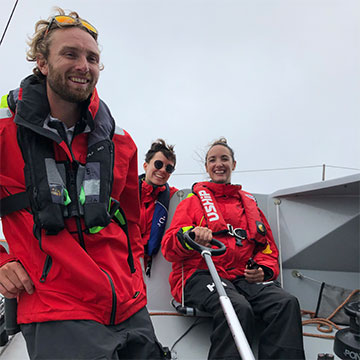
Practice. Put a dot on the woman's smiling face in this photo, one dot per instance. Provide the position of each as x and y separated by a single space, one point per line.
154 176
220 164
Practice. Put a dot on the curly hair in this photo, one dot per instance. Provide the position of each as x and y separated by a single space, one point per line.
40 42
160 145
223 142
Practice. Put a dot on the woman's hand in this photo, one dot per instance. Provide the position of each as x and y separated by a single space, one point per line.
254 275
203 236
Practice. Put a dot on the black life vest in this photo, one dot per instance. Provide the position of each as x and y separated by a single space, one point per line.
58 190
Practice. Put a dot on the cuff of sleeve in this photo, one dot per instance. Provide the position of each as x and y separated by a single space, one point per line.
268 273
6 259
180 236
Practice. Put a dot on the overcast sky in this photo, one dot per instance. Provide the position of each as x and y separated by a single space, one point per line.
280 79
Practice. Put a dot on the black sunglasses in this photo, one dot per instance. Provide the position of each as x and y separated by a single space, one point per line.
159 164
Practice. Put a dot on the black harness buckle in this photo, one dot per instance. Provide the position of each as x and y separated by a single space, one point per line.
238 233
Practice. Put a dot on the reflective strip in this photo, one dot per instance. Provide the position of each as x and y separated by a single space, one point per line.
188 246
3 102
5 113
91 182
92 187
184 230
119 130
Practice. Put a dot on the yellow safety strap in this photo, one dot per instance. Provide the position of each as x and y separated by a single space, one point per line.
3 102
4 108
184 230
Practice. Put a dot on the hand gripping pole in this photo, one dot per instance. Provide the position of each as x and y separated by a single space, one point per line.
230 314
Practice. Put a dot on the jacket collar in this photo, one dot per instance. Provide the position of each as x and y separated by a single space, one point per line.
230 190
150 190
33 107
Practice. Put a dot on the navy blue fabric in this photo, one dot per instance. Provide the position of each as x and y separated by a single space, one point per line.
159 219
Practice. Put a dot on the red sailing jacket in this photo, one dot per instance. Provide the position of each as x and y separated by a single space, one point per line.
229 201
93 282
149 194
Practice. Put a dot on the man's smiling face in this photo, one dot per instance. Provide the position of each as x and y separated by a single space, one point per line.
72 68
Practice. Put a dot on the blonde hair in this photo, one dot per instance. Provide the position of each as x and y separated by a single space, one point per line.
40 44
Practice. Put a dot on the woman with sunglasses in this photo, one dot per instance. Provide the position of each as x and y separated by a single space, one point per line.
155 194
248 268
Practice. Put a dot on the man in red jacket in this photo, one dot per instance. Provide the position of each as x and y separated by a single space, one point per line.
70 207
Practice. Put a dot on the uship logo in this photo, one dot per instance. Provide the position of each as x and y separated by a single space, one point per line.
161 221
351 354
208 205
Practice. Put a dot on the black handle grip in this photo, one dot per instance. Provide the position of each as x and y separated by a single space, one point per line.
221 248
251 264
11 325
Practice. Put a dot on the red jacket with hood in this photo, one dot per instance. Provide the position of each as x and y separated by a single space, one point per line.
229 201
89 276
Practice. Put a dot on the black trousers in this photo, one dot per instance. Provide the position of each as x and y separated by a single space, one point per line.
85 339
281 335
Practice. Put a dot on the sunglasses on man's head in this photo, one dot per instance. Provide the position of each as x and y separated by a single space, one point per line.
66 19
159 164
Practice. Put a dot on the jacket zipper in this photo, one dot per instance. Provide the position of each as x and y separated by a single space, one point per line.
113 307
82 244
80 233
112 164
46 268
48 260
114 298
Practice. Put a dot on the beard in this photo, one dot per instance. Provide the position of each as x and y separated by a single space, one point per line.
57 83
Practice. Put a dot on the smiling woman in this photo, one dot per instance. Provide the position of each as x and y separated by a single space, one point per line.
220 162
155 194
248 268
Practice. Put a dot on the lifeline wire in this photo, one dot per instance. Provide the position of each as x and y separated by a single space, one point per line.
298 274
276 169
8 23
195 323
